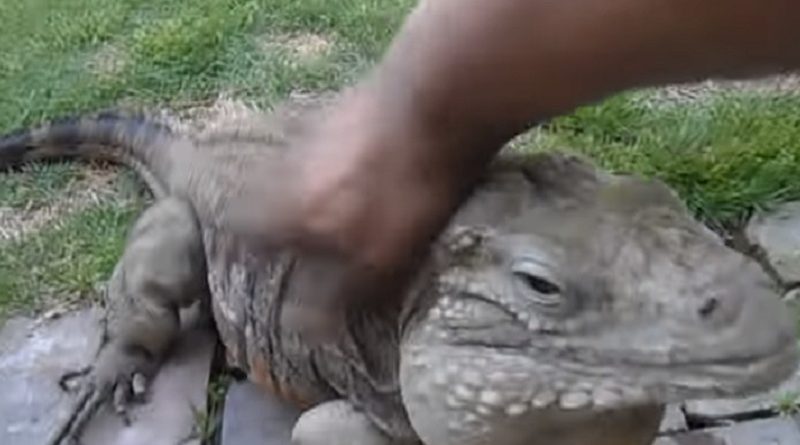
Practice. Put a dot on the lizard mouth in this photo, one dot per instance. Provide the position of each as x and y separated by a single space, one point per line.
727 376
785 354
777 364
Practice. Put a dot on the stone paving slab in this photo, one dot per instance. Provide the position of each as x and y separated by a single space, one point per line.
778 233
255 417
772 431
33 355
167 417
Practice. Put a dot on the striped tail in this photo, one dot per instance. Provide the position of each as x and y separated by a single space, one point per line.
131 140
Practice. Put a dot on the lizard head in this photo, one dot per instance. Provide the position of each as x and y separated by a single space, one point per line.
559 287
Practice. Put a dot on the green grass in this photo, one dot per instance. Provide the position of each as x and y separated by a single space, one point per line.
65 260
72 56
788 403
726 158
173 51
36 184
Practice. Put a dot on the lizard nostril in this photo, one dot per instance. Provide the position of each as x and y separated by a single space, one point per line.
708 307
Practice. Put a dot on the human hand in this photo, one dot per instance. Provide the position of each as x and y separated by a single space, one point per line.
359 201
364 194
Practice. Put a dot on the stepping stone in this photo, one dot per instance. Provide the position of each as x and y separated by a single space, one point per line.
255 417
773 431
33 355
778 233
673 420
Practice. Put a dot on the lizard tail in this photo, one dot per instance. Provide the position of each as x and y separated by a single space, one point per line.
131 140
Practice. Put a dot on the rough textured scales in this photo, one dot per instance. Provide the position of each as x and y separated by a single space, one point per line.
562 305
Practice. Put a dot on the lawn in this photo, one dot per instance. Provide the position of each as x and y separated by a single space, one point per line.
726 156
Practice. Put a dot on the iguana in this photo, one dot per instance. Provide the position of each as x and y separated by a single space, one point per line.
562 305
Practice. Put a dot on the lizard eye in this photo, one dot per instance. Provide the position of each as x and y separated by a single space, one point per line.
536 281
539 284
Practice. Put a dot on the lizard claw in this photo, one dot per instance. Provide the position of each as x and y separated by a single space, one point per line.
132 390
139 385
66 380
119 388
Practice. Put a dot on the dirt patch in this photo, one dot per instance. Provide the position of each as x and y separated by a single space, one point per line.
308 45
700 92
304 47
95 187
198 118
108 62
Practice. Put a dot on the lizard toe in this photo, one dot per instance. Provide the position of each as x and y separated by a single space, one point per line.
119 389
68 382
139 385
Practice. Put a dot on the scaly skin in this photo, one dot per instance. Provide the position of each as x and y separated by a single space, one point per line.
160 272
562 305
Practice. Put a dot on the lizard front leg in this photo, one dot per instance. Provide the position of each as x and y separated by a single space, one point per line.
161 270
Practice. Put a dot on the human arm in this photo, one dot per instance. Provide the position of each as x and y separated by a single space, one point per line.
382 176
